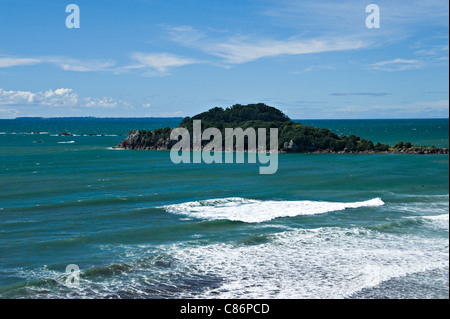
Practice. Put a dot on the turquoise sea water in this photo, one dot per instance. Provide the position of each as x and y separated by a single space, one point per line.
139 226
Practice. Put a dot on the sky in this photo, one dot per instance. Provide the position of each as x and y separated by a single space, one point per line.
313 59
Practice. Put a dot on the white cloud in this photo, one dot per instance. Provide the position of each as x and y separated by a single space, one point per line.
59 97
242 51
70 64
160 62
433 55
6 62
316 67
424 56
185 34
105 102
64 63
437 50
15 97
62 97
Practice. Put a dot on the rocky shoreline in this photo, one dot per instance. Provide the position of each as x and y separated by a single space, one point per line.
291 147
138 140
416 150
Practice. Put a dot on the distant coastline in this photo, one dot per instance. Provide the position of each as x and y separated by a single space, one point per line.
181 118
94 118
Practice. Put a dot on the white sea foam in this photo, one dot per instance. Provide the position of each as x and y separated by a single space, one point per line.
327 262
437 221
423 208
68 142
443 218
256 211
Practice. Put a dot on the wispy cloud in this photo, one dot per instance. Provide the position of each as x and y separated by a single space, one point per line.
316 67
349 16
423 56
243 50
77 65
240 49
436 50
158 63
372 94
185 34
6 62
150 63
64 63
433 55
397 65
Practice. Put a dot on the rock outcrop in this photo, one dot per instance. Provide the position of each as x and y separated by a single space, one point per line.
147 140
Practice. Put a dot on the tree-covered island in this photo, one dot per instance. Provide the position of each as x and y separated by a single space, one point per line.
292 137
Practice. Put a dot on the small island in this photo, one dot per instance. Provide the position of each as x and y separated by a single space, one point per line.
292 137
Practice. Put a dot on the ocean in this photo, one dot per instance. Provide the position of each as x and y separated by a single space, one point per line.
325 226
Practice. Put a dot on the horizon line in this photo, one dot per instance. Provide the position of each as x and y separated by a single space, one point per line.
181 117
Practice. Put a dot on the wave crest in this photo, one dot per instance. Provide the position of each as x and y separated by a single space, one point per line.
257 211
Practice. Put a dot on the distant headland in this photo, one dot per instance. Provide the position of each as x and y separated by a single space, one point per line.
292 138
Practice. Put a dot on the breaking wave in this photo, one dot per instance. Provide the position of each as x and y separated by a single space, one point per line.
257 211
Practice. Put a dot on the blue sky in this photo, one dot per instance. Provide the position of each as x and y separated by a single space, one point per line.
313 59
